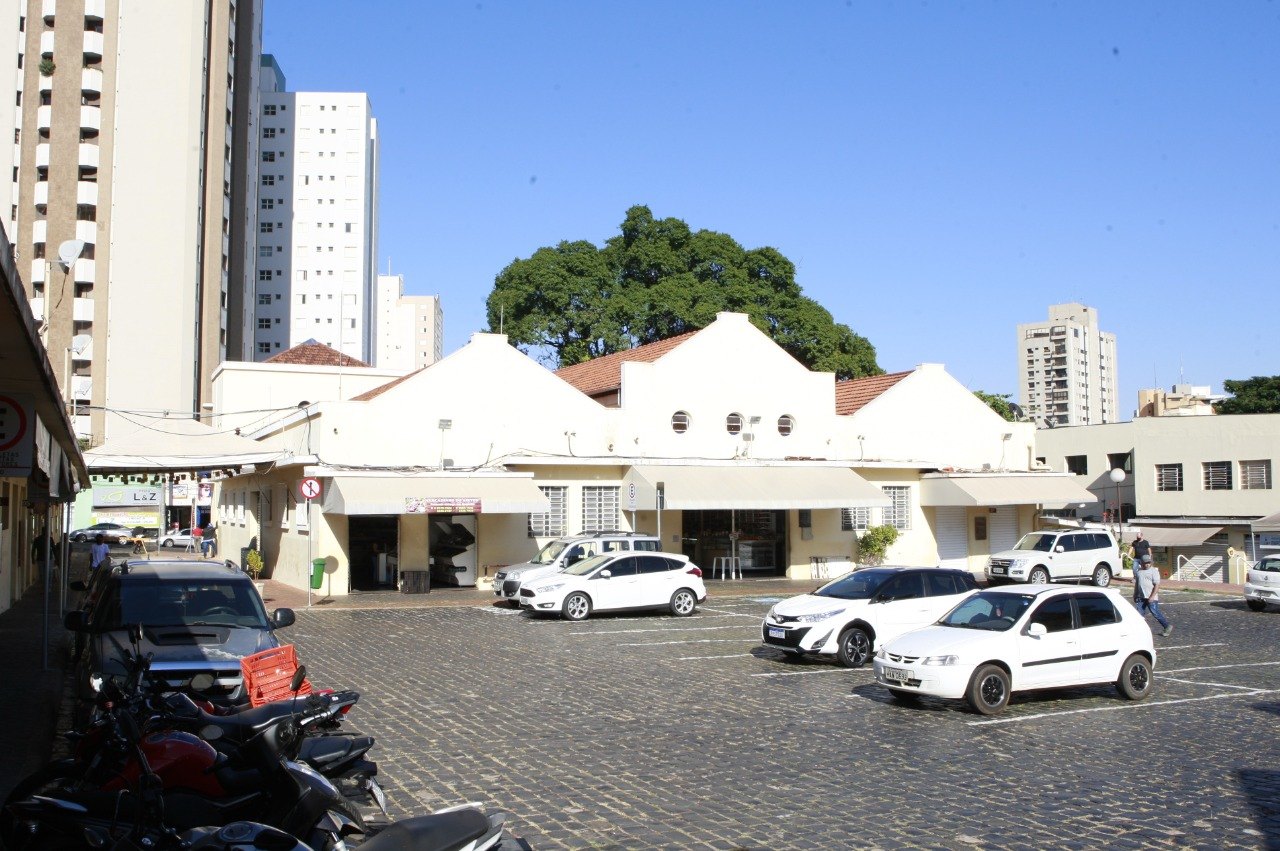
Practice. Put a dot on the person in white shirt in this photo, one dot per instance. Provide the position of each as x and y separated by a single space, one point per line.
99 553
1148 581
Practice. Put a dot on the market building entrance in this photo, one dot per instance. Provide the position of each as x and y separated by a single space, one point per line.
374 547
761 539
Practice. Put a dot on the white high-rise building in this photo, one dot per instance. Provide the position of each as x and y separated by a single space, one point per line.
410 328
1067 369
317 219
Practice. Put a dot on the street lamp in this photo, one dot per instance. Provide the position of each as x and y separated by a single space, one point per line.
1117 476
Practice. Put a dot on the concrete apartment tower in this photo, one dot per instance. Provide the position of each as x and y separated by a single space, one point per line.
410 328
125 210
1067 369
317 219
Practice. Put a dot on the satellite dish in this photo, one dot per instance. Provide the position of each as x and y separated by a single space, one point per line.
69 252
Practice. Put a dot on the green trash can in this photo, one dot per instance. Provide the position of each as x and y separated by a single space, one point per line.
317 573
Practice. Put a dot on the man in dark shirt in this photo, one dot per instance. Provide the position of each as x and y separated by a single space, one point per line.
1140 549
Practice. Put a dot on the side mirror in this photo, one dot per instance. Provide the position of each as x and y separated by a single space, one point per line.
77 586
282 618
1037 630
1059 549
76 621
606 573
299 677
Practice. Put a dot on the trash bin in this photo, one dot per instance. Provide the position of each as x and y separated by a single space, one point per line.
317 573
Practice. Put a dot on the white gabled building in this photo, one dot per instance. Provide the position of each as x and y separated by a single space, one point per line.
479 459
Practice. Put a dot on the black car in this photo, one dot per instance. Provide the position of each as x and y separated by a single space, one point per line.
196 618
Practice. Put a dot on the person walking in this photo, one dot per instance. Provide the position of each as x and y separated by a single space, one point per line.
1140 550
1148 582
209 541
99 553
195 540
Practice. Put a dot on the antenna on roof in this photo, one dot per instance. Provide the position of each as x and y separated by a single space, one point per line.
501 316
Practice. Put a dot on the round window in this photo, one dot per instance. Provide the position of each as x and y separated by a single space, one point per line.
733 423
680 422
786 424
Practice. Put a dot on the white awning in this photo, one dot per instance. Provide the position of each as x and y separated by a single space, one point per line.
1178 536
176 444
1270 523
1003 489
696 487
432 495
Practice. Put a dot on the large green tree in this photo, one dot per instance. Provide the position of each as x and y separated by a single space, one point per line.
1257 395
657 279
998 402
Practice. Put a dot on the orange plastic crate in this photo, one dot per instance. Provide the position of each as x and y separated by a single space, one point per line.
268 674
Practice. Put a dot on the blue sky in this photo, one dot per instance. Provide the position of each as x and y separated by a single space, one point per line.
938 172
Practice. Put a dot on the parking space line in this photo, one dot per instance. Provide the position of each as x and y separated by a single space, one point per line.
804 673
1192 646
1218 667
1037 716
727 614
724 656
687 641
1198 683
659 629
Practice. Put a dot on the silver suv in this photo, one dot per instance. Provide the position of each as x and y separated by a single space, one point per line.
561 553
1052 555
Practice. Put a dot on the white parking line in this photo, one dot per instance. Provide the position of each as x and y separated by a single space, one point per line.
727 614
804 673
1144 705
725 656
1219 667
1198 683
1192 646
659 629
687 641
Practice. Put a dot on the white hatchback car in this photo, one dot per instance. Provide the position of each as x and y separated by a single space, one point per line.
999 641
853 614
615 581
1262 585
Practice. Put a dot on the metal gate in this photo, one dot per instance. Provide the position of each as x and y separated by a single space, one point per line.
1002 528
952 526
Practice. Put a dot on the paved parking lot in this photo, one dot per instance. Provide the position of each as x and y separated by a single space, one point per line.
648 731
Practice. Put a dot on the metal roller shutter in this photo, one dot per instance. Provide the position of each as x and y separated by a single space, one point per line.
1002 528
953 537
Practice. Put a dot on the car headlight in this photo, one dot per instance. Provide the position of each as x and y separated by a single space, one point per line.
940 660
1018 562
547 589
818 616
882 653
772 609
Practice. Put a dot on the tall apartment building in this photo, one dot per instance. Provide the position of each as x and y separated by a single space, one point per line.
317 219
124 209
1067 369
410 328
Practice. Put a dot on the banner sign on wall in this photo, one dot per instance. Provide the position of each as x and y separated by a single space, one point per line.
126 497
441 505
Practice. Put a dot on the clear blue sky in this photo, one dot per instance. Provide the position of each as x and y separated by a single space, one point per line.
938 172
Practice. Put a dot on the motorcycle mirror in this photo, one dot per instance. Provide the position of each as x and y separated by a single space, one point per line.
211 732
135 633
299 676
201 682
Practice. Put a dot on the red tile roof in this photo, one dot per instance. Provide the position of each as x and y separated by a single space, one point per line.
383 388
312 353
853 394
604 374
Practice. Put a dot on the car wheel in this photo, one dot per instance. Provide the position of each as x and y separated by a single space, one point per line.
168 545
855 647
122 541
1135 677
1038 576
79 539
988 690
1102 576
576 607
683 603
1256 605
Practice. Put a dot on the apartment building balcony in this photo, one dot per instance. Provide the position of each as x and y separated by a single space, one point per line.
92 46
40 230
91 83
49 9
87 232
46 45
82 310
37 275
86 193
90 120
37 308
44 119
86 273
88 157
45 83
94 10
82 348
41 198
42 155
81 388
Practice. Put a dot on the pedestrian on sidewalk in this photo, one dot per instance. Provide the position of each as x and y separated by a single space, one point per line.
195 540
1140 550
209 540
1148 582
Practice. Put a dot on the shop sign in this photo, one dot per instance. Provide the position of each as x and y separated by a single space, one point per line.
441 505
1268 540
126 497
17 435
128 518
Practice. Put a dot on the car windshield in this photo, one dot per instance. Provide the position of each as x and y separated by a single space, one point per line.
1268 565
1036 541
859 585
991 610
587 565
181 603
549 553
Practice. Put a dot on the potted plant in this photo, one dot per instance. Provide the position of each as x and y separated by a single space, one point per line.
874 544
253 567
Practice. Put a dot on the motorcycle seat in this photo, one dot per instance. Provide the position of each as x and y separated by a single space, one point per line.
429 833
329 750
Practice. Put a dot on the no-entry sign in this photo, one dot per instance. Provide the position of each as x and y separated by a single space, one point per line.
309 488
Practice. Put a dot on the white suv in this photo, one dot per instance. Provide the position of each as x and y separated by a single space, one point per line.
561 553
618 580
1052 555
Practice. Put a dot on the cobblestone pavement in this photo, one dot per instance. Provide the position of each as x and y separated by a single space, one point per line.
649 731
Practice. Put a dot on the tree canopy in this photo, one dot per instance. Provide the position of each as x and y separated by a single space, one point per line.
998 402
657 279
1257 395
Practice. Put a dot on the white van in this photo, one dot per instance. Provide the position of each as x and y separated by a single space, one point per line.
1052 555
561 553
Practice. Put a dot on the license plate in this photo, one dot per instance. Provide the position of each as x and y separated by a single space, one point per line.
379 797
897 675
777 633
997 570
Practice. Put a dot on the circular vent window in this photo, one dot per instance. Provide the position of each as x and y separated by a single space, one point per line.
680 422
786 424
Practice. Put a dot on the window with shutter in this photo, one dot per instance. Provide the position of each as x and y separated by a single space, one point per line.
599 509
550 524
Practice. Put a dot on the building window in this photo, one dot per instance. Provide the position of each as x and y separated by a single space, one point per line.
264 349
265 274
268 109
551 524
268 180
599 509
898 514
268 132
1217 475
786 424
733 423
680 422
855 519
264 298
264 324
266 227
1168 477
264 251
1078 465
267 204
268 156
1120 461
1255 475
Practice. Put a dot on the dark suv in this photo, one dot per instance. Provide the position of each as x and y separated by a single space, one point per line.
196 618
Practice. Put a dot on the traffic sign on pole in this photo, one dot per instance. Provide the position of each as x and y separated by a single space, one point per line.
309 488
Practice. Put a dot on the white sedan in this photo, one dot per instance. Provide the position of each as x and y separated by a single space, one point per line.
1262 585
615 581
997 642
181 538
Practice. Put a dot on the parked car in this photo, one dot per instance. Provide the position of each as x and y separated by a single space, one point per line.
615 581
563 552
1000 641
1052 555
850 616
196 617
181 538
1262 585
114 533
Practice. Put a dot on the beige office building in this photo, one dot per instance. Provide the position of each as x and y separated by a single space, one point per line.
410 328
1067 369
134 119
